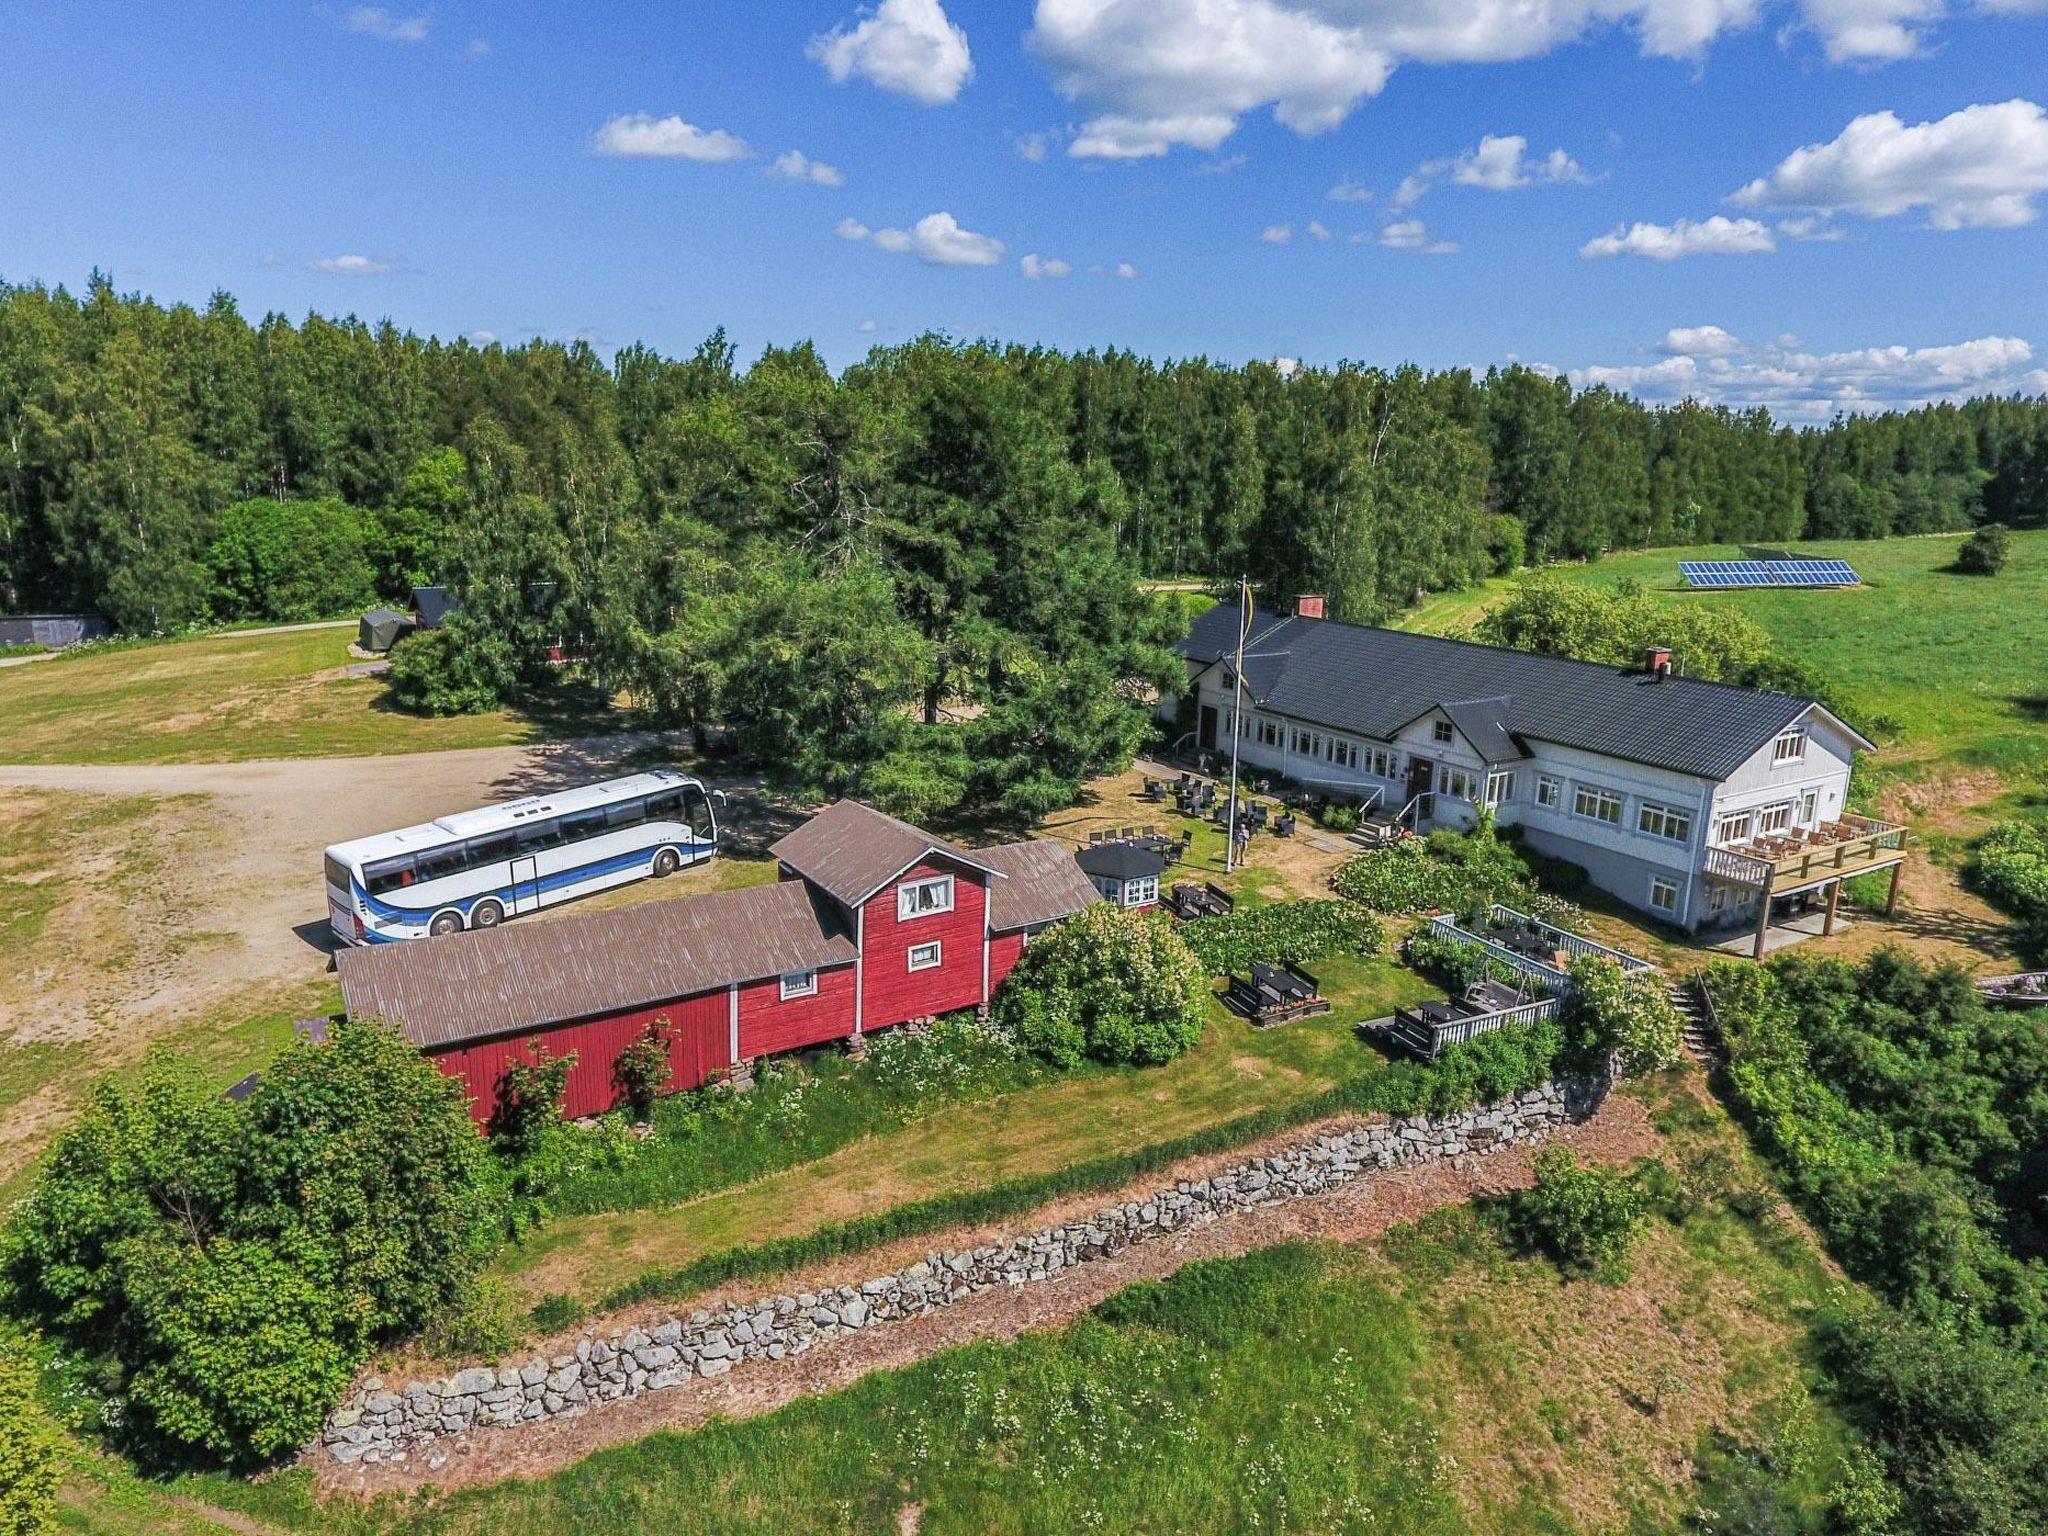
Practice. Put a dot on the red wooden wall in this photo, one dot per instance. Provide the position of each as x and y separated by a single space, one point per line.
700 1045
769 1024
891 991
1004 951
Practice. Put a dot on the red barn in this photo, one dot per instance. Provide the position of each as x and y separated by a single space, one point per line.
874 923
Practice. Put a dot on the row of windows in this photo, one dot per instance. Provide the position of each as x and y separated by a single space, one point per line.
1763 821
1596 802
922 957
676 805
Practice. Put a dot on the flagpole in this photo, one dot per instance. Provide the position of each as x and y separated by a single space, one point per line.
1244 624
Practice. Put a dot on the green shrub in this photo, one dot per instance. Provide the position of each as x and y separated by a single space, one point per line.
1624 1014
641 1069
2008 867
1453 964
1338 818
241 1259
1286 932
1985 552
462 668
1105 985
288 560
1585 1218
557 1310
1450 872
28 1449
529 1101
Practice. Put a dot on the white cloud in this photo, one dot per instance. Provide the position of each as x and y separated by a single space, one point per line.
1277 234
637 135
1223 166
1812 230
375 21
1710 364
795 165
866 327
478 48
936 239
1315 230
481 338
1160 73
1717 236
905 46
1125 270
1032 147
359 266
1349 191
1411 235
1981 167
1035 266
1499 163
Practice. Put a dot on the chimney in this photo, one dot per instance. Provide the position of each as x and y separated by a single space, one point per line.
1309 605
1657 661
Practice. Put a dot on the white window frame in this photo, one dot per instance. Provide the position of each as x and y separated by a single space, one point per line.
1458 783
1790 747
1773 818
1550 791
1599 796
799 983
1500 785
1809 808
1664 883
908 897
1271 733
1383 763
1442 732
1138 893
1670 823
938 956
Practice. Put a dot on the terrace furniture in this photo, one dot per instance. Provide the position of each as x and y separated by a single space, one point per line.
1187 901
1283 826
1276 994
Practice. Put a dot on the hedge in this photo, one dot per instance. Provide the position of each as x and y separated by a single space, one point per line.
1288 932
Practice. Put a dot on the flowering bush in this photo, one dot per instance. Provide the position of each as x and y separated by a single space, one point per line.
1625 1013
1288 932
1106 985
1449 871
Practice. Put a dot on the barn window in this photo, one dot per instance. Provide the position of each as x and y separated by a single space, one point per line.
799 984
925 957
921 898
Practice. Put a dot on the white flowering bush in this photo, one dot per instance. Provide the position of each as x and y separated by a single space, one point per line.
1106 985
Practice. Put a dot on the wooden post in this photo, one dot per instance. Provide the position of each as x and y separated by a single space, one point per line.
1763 921
1891 901
1827 927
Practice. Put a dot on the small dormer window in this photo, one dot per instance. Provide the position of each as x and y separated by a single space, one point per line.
1441 731
1790 747
920 898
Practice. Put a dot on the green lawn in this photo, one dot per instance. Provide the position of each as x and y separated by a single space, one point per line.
1943 669
228 697
1057 1121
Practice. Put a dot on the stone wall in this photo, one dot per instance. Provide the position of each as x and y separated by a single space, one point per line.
379 1423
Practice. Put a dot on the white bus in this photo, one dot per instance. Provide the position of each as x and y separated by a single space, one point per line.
477 868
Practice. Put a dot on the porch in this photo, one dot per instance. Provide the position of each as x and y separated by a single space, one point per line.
1772 867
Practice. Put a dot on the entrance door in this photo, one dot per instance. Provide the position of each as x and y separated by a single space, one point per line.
525 884
1421 775
1206 736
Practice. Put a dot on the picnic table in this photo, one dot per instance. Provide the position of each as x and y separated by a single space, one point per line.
1275 994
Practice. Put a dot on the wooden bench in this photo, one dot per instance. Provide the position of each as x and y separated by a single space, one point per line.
1275 994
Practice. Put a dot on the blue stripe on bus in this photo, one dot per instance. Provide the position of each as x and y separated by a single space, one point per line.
554 881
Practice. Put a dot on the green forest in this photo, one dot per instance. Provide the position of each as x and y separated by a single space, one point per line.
919 577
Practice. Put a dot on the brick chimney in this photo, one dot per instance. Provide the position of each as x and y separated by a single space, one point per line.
1309 605
1657 661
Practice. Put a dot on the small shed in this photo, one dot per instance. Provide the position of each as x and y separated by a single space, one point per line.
431 606
1126 873
382 628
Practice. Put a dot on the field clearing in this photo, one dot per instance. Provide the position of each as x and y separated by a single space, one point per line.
230 698
1942 669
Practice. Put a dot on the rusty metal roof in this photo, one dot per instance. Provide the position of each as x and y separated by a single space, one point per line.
853 850
1044 884
527 975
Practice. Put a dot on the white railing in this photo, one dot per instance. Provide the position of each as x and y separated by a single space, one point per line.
1549 975
1431 1036
1565 939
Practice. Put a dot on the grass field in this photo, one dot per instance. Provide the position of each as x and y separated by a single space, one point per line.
1943 669
1428 1382
228 697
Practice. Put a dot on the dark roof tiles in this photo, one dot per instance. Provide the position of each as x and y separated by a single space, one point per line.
1374 681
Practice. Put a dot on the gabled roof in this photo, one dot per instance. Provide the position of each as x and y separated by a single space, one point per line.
1372 682
1120 861
1043 884
853 850
527 975
1484 723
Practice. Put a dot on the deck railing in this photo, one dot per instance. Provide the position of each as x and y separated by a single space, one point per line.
1565 939
1875 845
1428 1037
1558 938
1549 975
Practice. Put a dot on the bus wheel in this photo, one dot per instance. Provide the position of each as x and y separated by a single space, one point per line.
445 923
486 914
667 861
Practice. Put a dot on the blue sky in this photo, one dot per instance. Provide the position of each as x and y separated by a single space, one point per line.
1813 204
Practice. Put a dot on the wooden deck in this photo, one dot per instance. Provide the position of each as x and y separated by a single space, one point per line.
1873 845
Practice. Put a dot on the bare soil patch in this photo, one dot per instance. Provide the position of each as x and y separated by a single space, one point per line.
1363 1209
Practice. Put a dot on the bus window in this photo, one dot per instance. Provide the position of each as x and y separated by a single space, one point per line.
337 873
486 851
388 875
666 807
700 814
627 813
539 835
440 863
582 825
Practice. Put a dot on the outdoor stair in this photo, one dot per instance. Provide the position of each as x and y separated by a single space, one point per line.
1702 1041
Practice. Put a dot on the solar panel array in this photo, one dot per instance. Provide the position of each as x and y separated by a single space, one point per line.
1768 573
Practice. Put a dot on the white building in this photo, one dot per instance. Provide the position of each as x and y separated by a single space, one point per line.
1704 804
